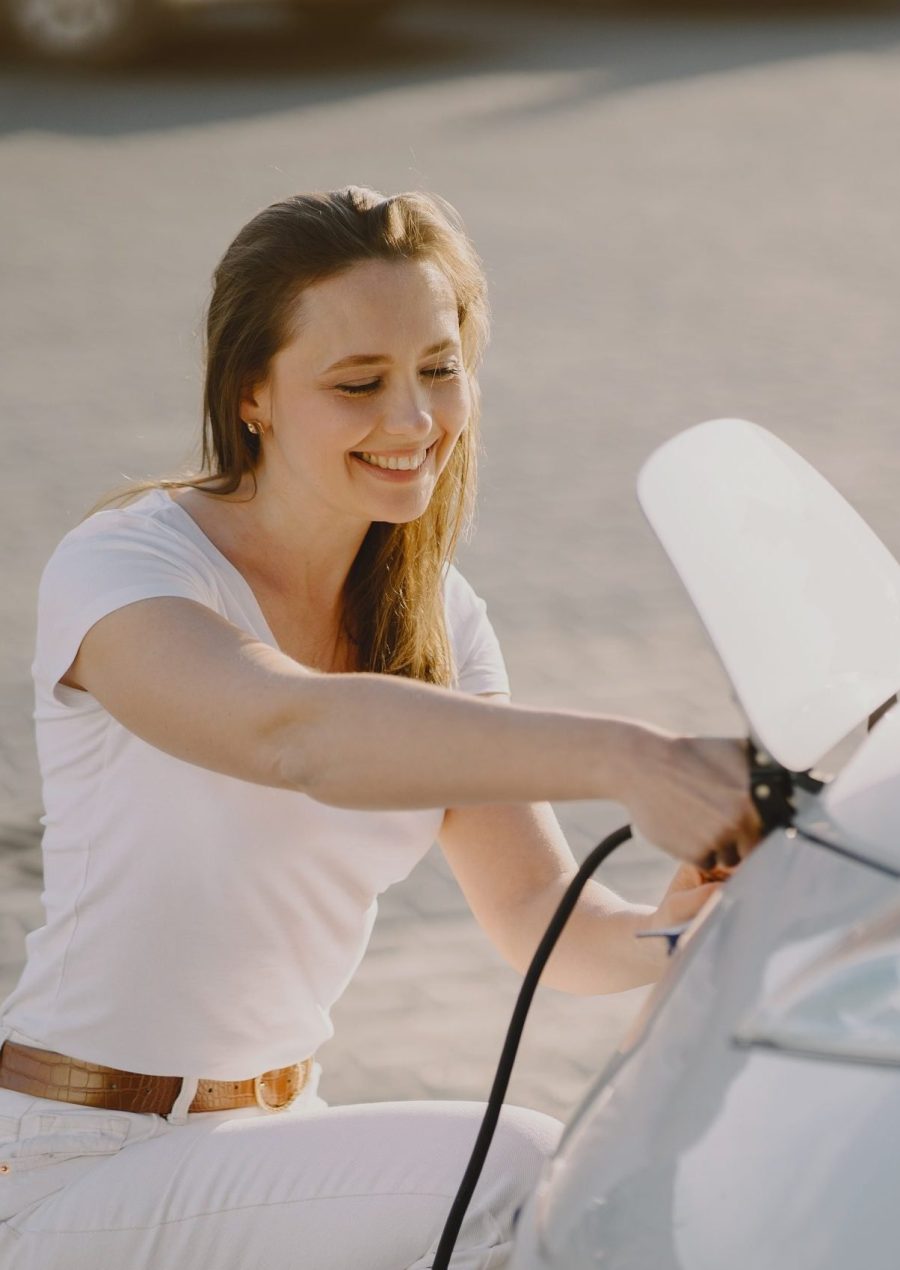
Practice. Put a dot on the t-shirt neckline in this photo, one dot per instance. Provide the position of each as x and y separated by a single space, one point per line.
210 549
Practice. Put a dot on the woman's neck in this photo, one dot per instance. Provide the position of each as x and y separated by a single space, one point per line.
283 547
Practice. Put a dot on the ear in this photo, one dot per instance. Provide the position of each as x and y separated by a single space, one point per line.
255 404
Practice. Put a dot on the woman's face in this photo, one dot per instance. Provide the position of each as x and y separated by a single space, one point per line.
362 407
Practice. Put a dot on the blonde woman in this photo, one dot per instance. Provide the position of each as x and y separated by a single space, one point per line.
261 693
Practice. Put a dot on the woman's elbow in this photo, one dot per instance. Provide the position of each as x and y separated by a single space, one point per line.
294 744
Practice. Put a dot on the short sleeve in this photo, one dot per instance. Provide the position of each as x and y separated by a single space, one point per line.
476 650
112 559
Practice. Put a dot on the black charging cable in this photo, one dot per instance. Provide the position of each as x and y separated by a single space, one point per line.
513 1037
772 788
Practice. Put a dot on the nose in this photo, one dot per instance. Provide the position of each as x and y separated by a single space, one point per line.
408 414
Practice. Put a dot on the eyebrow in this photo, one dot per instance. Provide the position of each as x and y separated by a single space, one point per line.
371 359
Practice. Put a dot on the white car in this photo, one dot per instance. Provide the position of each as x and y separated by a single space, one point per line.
106 32
751 1121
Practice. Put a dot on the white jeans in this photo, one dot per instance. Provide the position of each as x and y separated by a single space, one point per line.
311 1188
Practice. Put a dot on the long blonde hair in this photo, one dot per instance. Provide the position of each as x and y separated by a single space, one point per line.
393 608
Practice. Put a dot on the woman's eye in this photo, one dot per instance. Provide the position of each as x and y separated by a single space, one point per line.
362 390
358 390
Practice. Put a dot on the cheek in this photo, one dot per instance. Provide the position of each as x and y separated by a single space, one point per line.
457 408
453 438
320 435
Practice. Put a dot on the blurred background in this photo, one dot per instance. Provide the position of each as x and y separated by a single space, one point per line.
685 212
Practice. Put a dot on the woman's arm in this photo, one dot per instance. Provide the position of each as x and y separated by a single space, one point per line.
189 682
513 865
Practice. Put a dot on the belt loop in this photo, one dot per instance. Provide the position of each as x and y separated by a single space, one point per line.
179 1112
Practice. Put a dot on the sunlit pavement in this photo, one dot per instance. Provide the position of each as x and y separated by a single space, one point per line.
681 217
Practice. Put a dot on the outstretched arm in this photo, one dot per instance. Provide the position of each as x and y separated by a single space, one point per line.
184 679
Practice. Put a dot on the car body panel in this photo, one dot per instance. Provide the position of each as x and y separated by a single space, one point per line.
687 1122
863 803
752 1115
844 1006
800 598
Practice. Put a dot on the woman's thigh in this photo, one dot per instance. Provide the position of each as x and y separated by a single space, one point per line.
347 1188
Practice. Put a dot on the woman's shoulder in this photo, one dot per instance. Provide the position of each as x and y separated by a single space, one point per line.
142 538
112 558
149 523
456 586
150 507
476 650
461 601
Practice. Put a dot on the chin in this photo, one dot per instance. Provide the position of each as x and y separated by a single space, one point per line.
397 518
401 515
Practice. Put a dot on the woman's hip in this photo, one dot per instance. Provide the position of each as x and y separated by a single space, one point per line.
333 1189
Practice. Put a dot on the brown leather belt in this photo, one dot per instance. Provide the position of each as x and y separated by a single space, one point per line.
46 1074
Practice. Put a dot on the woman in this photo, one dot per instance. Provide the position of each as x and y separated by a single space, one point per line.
261 693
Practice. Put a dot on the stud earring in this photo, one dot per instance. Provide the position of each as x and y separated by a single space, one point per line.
252 426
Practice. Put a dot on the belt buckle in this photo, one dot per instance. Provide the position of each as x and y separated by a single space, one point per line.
296 1075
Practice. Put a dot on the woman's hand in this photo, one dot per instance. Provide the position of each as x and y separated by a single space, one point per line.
690 796
688 892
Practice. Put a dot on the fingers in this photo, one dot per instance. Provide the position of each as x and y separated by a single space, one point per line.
687 876
735 844
728 855
751 829
684 905
716 874
709 817
730 849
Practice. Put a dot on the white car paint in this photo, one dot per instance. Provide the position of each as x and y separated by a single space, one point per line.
750 1120
800 598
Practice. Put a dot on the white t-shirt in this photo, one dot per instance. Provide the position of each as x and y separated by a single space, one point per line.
196 924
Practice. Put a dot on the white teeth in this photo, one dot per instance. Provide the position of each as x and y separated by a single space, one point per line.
408 463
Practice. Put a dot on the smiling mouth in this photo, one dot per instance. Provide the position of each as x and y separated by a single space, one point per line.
410 462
